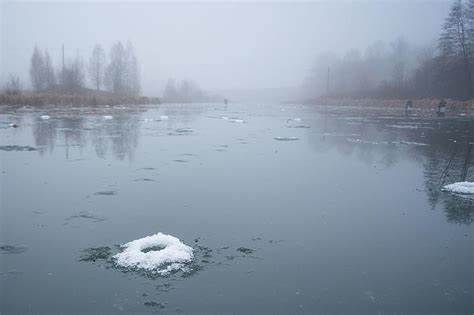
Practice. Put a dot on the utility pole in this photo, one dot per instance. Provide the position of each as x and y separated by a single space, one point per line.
327 82
62 75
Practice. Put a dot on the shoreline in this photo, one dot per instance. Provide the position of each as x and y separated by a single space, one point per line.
76 99
454 107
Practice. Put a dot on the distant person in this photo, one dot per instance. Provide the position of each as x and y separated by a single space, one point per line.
441 108
408 107
225 101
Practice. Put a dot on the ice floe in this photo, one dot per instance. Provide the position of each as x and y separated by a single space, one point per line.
45 117
233 119
286 138
165 254
107 117
164 117
464 188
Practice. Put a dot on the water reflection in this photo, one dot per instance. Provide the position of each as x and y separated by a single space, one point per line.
442 147
118 136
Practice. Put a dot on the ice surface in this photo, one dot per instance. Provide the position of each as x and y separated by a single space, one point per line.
171 256
108 117
465 188
164 117
45 117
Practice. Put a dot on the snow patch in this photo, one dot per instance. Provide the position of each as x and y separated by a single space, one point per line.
45 117
465 188
171 256
164 117
107 117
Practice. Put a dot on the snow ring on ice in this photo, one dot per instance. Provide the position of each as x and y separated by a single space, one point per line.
172 254
465 188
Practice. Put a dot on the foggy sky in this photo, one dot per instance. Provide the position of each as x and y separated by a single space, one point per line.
219 45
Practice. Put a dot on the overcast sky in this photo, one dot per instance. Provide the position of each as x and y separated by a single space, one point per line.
219 45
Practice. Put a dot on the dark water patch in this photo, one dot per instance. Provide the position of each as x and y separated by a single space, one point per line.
96 253
146 169
245 250
180 161
164 287
154 304
87 216
153 248
11 249
17 148
183 131
144 180
106 193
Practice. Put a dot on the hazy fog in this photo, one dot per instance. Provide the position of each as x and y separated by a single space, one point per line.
221 46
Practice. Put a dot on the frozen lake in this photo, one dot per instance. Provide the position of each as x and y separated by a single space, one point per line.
289 208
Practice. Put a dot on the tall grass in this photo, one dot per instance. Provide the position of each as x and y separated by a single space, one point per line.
89 99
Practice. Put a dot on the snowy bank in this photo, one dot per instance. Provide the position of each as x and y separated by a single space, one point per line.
165 254
465 188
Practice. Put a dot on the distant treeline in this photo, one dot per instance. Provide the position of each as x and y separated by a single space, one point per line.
186 91
117 74
401 70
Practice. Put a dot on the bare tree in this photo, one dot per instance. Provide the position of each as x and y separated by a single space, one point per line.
48 72
13 85
36 70
97 67
122 74
73 77
115 72
132 71
170 93
454 41
399 59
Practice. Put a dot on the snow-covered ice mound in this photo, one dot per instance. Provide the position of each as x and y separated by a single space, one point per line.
465 188
165 254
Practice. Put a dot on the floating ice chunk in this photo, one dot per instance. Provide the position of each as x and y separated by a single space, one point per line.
172 254
45 117
233 119
164 117
403 126
286 138
107 117
413 143
465 188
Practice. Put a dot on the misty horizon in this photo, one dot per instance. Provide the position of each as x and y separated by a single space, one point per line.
221 46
